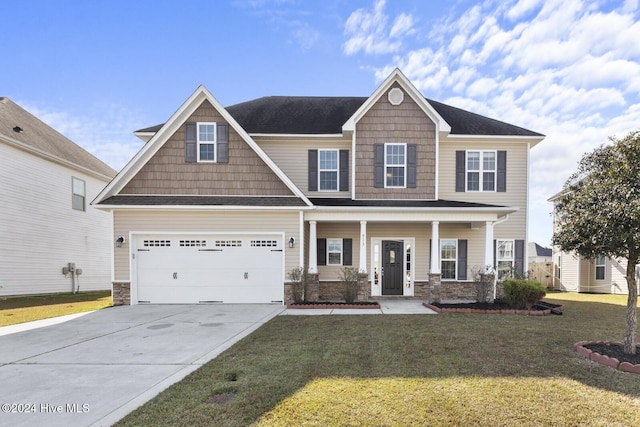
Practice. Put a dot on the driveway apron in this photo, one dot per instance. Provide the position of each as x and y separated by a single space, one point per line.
95 369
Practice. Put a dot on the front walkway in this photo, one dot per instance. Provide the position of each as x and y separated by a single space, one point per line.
386 307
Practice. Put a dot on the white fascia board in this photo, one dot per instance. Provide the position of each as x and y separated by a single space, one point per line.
145 136
55 159
171 126
533 140
297 135
397 76
443 215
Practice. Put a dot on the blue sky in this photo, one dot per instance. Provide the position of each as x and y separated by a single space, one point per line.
98 70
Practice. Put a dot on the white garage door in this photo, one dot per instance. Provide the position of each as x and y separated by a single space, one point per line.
187 269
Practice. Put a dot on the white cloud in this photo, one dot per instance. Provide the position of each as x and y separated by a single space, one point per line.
567 68
368 32
106 131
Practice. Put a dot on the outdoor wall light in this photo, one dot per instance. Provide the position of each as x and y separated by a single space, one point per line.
291 242
119 241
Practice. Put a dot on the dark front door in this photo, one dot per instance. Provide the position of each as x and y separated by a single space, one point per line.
392 264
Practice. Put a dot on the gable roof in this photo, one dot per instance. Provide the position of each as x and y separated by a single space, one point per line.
326 115
22 129
537 250
170 127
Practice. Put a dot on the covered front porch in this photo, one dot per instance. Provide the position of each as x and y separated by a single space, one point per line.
417 252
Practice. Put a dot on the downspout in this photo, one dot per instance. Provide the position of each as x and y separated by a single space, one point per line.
495 277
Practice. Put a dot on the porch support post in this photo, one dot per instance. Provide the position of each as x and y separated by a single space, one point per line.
313 248
435 247
363 247
488 246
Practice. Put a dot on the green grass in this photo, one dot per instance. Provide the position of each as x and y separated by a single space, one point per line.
26 309
413 370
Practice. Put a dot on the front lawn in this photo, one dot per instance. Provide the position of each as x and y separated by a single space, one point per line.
26 309
393 370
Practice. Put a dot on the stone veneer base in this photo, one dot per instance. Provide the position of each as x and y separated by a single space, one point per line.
604 359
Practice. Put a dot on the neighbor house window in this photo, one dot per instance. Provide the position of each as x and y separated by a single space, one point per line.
481 171
206 142
601 262
334 251
395 163
328 170
448 258
78 196
504 253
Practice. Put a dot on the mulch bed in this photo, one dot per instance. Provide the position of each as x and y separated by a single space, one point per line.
333 305
497 307
610 354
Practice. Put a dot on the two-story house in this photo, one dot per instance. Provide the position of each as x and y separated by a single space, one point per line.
222 202
46 222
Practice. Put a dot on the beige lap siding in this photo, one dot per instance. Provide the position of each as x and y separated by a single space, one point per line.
205 222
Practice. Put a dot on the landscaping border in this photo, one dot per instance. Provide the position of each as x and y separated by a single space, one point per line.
604 359
329 305
485 311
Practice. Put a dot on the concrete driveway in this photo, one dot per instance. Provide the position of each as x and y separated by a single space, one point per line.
95 369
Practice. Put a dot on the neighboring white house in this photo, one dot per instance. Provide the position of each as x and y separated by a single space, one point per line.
575 273
46 221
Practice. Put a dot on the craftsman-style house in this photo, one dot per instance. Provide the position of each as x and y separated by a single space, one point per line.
222 202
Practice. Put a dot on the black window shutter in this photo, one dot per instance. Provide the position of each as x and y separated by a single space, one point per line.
322 251
223 143
412 161
313 170
460 171
495 256
462 259
378 165
430 251
519 257
347 249
502 172
190 143
344 170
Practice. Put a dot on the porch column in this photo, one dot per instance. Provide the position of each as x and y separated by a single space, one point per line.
363 247
435 247
488 246
313 248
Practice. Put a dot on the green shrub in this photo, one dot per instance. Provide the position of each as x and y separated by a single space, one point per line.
349 278
523 294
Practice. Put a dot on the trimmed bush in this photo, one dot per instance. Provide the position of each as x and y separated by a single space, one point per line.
349 278
298 278
523 294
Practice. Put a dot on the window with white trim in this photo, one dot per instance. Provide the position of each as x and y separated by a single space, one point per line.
448 258
78 194
334 251
328 170
395 165
206 137
505 258
601 263
481 171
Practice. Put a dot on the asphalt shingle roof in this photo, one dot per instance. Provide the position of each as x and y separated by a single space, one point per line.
34 133
333 202
137 200
326 115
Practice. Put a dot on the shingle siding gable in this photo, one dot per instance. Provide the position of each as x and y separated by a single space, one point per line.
245 174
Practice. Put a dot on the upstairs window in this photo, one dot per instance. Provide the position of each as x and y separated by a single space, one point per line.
328 170
78 194
206 142
395 162
601 262
481 171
